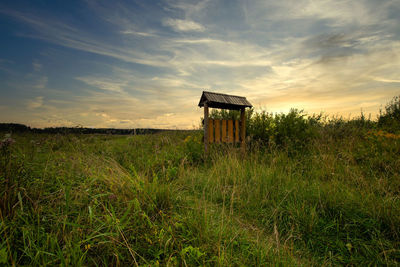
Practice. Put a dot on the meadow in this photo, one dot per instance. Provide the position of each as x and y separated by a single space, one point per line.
310 191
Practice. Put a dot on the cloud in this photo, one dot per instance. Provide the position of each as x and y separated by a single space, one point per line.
180 25
41 82
55 31
35 103
102 83
386 80
37 66
103 110
137 33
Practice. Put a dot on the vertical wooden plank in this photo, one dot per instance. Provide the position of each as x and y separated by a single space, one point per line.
243 129
210 131
205 128
224 131
230 131
217 124
237 131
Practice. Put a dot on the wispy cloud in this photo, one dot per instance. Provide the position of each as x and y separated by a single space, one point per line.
37 102
37 66
103 83
136 33
386 80
181 25
55 31
41 82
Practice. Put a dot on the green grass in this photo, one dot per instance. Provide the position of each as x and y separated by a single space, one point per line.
154 200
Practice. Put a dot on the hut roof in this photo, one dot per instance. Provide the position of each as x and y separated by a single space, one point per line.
224 101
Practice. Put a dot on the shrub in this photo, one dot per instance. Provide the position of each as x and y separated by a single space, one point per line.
223 114
290 131
294 129
390 119
262 127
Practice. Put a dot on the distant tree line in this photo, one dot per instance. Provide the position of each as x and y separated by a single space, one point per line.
18 128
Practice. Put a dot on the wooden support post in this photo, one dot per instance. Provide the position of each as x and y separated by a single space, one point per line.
205 128
243 129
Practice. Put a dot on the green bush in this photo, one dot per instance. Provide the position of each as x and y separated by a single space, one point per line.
294 129
390 119
291 131
262 127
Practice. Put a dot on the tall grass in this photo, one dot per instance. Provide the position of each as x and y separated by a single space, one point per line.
310 191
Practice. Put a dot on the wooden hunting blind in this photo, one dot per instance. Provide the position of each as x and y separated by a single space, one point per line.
224 131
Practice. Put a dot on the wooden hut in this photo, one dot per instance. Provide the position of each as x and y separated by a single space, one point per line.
225 131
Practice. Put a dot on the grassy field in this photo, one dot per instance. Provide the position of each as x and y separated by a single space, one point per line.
155 200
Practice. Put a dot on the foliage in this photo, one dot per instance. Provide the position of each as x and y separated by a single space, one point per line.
223 114
390 119
293 130
262 127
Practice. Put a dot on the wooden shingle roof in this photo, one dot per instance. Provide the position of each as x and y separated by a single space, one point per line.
224 101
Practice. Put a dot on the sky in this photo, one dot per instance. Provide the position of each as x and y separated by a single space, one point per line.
140 64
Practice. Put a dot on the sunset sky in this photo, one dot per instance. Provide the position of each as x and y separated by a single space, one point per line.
134 64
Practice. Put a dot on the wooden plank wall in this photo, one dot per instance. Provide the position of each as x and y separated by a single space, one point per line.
224 139
230 131
237 139
217 124
211 131
225 131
